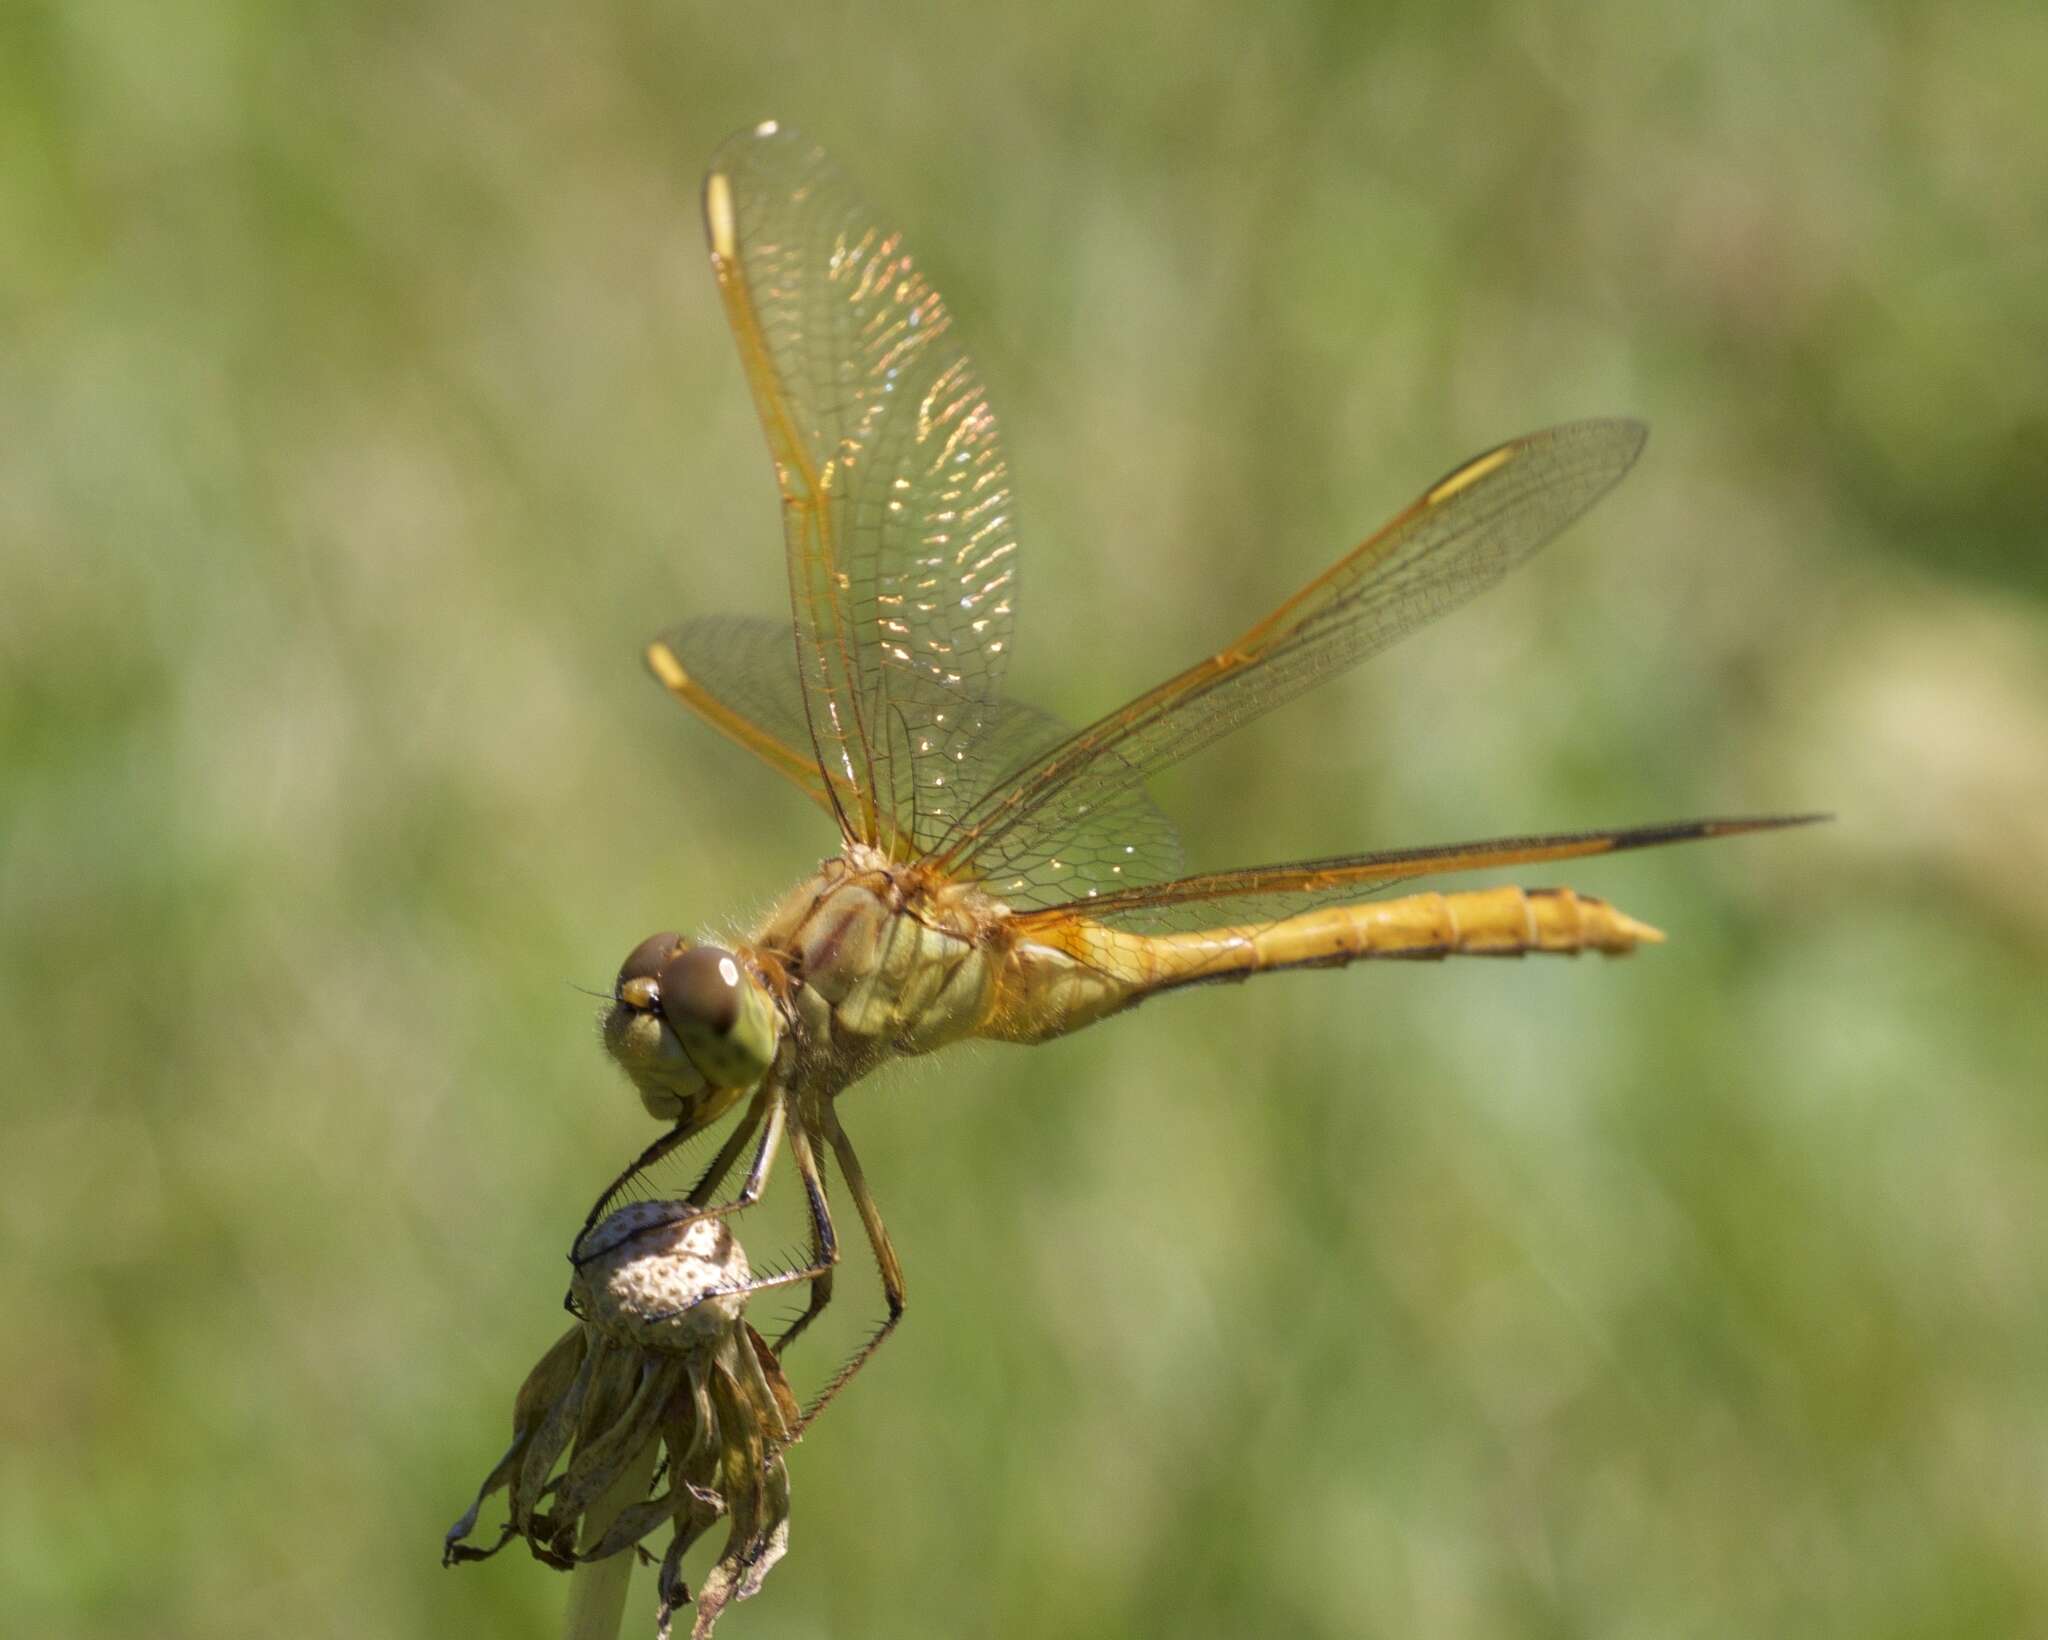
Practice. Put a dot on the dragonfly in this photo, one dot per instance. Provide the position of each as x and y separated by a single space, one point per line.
1001 876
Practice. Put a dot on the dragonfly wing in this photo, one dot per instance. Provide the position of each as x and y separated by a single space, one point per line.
1118 843
735 672
1257 894
1458 538
896 494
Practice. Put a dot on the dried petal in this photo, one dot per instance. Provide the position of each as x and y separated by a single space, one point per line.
770 1389
604 1448
544 1386
551 1439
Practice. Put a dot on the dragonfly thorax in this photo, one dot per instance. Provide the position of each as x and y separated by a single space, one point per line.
882 962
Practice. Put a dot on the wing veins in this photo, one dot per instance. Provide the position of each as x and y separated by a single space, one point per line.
889 462
802 495
1334 876
1327 629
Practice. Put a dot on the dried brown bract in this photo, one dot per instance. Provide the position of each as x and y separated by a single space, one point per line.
662 1355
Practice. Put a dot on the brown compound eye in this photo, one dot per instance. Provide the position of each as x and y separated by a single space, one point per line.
645 962
701 990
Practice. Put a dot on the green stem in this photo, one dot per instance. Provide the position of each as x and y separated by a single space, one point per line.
597 1589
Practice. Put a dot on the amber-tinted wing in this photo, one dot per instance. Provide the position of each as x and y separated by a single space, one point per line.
896 495
1258 894
738 673
1459 537
734 672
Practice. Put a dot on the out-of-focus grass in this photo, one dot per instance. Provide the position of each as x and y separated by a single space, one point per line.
364 403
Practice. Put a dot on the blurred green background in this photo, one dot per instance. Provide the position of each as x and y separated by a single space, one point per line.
364 403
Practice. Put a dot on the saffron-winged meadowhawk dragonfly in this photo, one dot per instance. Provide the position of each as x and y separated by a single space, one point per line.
1001 876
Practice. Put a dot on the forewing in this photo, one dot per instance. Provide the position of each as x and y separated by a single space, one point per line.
1458 538
896 494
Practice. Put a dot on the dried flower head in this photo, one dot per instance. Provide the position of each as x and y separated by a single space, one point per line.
662 1355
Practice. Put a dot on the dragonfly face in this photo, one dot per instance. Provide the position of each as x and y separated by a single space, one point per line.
1001 875
691 1026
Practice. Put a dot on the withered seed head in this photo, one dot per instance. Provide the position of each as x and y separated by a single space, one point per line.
665 1372
668 1279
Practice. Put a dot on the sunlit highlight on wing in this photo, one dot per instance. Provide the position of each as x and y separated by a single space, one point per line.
897 516
1459 537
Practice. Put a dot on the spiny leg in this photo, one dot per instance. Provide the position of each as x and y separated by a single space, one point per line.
824 1239
729 1152
821 1227
647 1158
769 1103
766 1106
885 1262
776 1114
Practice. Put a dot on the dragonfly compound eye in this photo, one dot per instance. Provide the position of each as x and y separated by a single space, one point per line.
646 961
718 1012
700 988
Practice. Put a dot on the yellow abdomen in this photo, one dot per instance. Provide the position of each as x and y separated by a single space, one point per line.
1081 970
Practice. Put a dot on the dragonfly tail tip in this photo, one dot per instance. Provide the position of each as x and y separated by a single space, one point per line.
1637 932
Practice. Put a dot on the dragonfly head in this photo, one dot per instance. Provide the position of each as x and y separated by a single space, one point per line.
691 1026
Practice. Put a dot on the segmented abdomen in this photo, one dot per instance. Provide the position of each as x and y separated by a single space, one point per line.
1052 986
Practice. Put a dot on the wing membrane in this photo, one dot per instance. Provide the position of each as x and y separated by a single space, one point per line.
1119 843
1458 538
734 672
896 500
1266 893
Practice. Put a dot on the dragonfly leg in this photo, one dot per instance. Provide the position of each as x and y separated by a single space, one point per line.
824 1239
824 1243
729 1152
772 1129
885 1262
647 1158
776 1120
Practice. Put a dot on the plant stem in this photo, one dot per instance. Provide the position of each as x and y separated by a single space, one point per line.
597 1589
